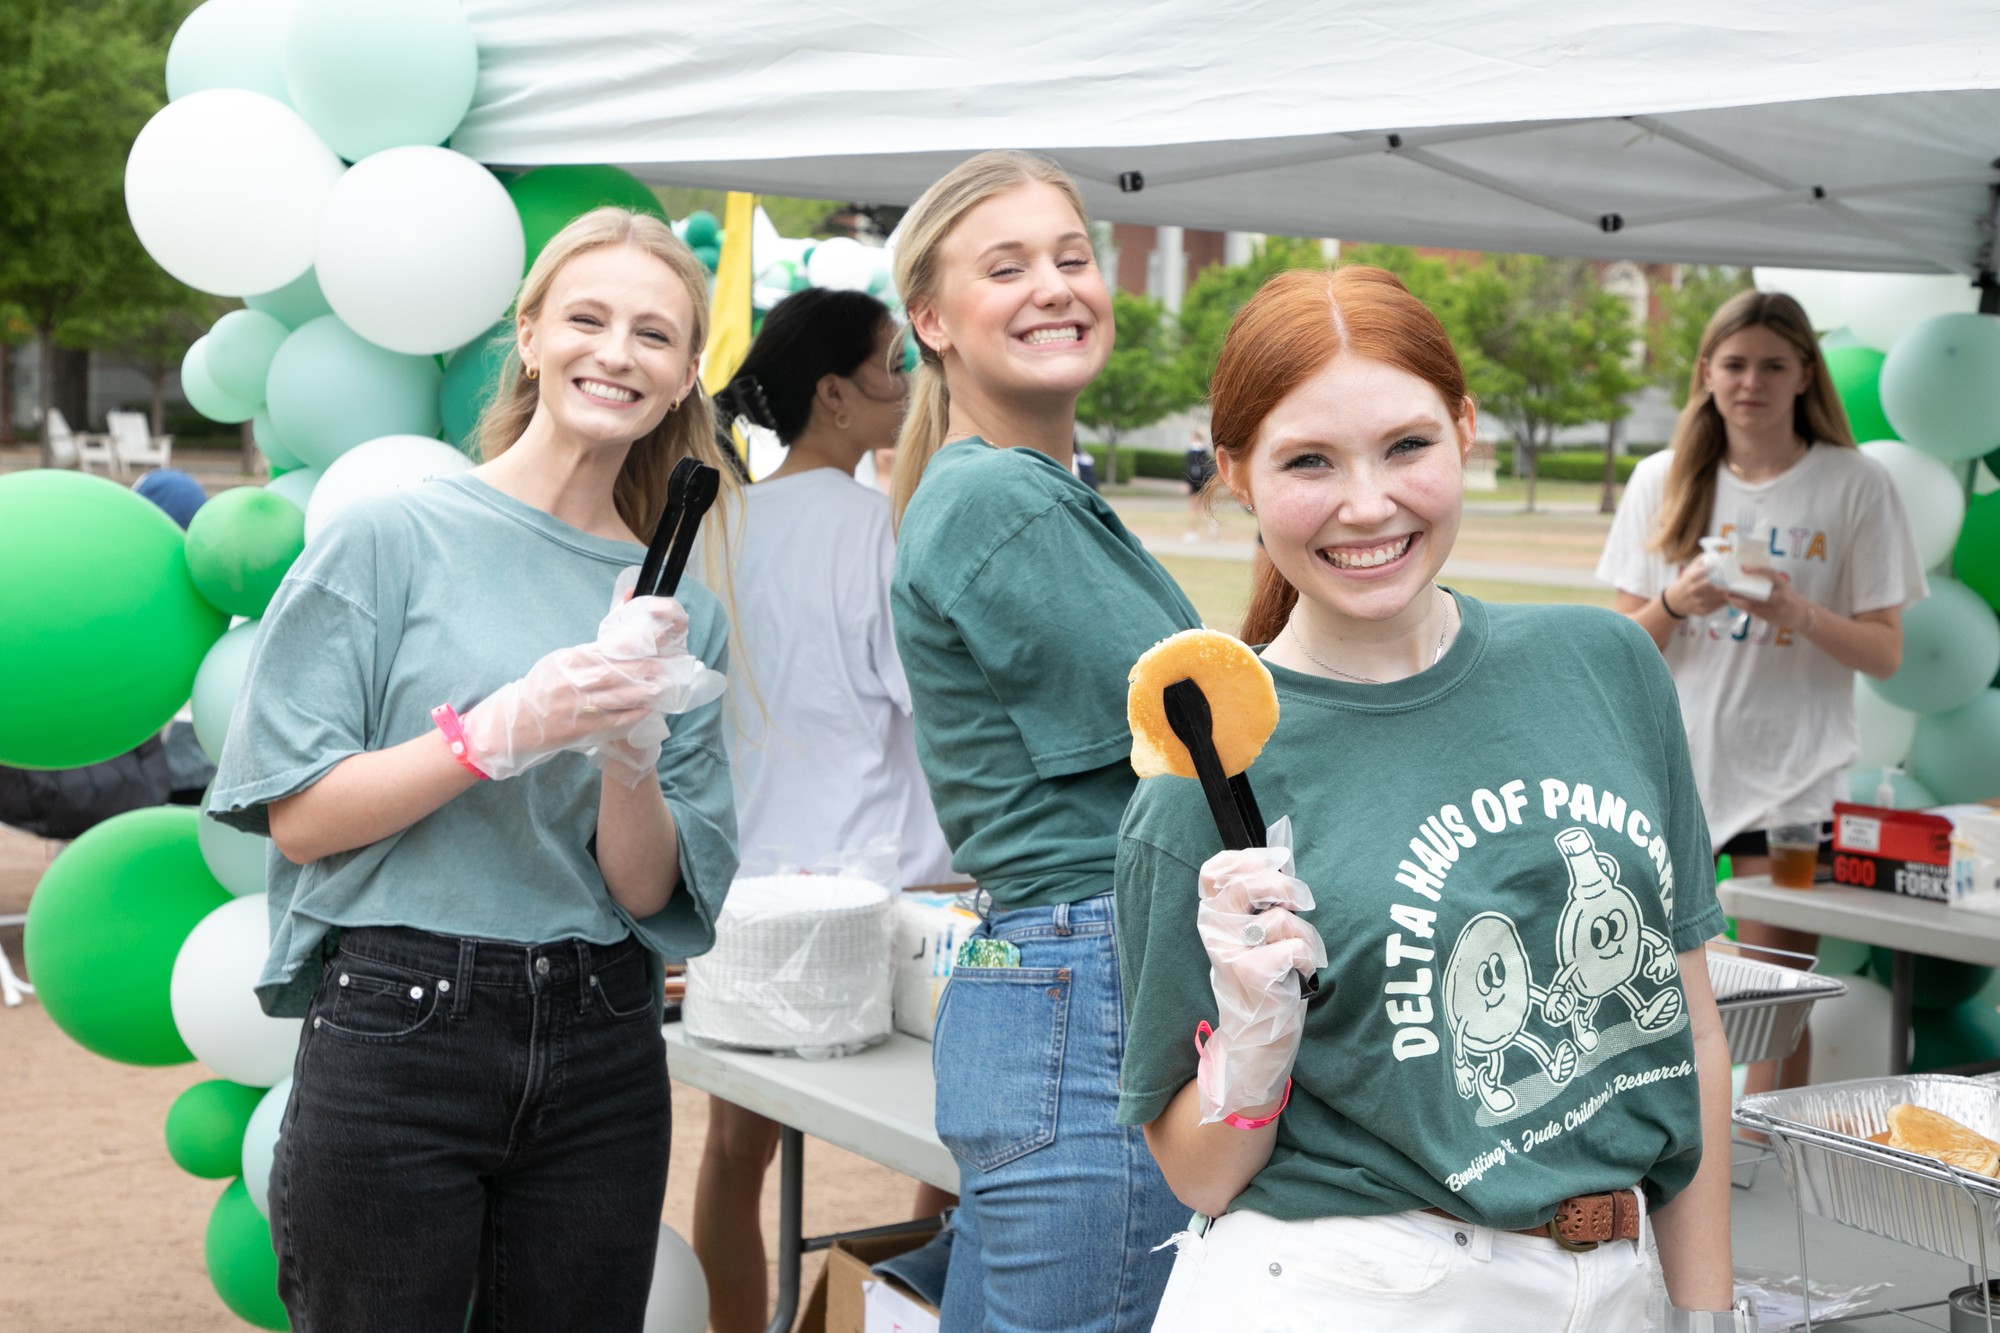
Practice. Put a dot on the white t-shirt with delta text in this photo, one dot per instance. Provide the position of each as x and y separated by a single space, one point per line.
1770 718
821 743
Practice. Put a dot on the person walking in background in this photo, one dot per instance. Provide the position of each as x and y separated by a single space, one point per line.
1762 456
820 743
470 911
1197 468
1020 603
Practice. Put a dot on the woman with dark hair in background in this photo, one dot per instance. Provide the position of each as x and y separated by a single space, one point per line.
821 749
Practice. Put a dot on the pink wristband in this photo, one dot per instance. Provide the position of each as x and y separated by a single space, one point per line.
1202 1032
448 722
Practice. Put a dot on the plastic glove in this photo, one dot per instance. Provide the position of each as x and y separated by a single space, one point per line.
1252 895
656 628
570 700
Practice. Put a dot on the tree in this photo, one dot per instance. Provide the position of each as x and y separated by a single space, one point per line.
1673 344
1139 383
78 80
14 330
150 327
1212 300
1555 348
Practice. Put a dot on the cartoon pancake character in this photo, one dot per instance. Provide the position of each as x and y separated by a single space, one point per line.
1487 993
1603 945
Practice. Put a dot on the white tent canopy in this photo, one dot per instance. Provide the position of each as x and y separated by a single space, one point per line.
1780 132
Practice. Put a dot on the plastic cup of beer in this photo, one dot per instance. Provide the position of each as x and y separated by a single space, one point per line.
1794 854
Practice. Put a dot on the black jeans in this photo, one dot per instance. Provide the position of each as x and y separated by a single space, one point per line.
473 1122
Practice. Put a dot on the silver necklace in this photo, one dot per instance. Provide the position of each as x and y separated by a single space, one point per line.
1325 665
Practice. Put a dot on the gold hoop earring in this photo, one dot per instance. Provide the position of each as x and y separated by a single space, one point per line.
533 372
841 421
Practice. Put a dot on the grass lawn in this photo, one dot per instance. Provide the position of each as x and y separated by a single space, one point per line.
1220 589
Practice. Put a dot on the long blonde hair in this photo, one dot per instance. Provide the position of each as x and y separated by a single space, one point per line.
924 228
1700 437
640 491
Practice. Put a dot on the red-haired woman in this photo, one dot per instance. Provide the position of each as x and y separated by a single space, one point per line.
1514 1057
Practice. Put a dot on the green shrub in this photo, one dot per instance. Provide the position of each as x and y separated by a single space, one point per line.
1570 464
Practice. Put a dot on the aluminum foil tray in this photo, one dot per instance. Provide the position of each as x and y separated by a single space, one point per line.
1764 1006
1820 1135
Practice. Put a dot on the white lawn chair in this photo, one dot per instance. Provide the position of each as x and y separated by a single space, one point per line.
86 449
12 988
135 444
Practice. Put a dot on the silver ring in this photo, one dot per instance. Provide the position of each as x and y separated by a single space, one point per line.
1253 934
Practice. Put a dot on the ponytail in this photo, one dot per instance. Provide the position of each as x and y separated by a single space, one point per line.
1271 602
923 432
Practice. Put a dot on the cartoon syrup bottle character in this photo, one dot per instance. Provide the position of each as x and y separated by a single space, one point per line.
1603 945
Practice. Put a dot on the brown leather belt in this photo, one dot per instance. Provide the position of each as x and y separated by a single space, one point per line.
1585 1222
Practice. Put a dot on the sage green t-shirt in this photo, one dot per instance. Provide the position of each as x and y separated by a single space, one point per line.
442 594
1507 853
1020 602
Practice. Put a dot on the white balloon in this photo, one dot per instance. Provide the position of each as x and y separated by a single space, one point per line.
1932 497
678 1300
214 999
1886 730
1850 1033
225 187
1817 289
296 485
419 249
392 463
1882 307
260 1144
235 858
843 264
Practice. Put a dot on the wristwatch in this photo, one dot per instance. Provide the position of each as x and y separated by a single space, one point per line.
1738 1318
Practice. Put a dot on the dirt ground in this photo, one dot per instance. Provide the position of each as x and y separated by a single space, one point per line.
101 1233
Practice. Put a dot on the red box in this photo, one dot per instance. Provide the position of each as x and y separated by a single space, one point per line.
1896 851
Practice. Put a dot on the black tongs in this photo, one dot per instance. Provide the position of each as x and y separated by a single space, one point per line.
691 489
1229 799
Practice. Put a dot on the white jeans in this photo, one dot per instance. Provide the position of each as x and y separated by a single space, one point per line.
1402 1273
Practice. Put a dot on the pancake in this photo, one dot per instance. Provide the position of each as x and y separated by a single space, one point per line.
1241 699
1914 1129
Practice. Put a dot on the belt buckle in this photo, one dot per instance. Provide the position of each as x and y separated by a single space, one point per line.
1564 1242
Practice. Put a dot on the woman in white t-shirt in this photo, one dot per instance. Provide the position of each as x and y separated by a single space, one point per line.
1762 455
822 749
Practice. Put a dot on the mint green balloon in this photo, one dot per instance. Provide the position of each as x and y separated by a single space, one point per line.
101 628
205 1127
239 546
239 861
375 74
230 44
296 485
242 1264
105 925
240 348
218 683
272 444
1941 386
1835 339
1951 649
330 389
1957 754
471 378
298 302
207 397
1857 377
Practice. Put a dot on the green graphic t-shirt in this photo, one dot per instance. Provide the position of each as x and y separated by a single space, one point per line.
1020 602
1506 852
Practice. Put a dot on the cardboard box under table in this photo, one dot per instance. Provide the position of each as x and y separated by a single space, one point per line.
851 1298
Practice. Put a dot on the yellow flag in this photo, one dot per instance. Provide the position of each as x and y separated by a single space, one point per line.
729 305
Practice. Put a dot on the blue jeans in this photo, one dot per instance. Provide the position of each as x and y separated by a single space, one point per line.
473 1122
1059 1205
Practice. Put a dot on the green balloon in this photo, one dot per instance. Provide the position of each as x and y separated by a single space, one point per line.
471 378
242 1264
207 397
331 389
1857 375
205 1127
1941 386
709 255
297 303
276 453
101 629
1957 754
240 348
550 198
1951 648
1976 558
105 925
375 74
239 546
1941 983
1947 1038
701 229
